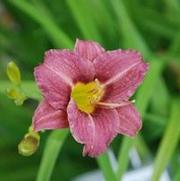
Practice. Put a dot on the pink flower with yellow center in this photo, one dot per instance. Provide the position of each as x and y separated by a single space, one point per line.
87 89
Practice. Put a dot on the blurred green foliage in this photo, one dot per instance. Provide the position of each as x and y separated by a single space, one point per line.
28 28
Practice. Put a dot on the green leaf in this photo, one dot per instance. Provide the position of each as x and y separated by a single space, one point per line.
106 168
58 37
154 22
160 98
131 37
51 151
169 142
81 10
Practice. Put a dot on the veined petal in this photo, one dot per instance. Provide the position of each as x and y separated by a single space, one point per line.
45 117
55 91
121 71
60 70
88 49
96 131
129 120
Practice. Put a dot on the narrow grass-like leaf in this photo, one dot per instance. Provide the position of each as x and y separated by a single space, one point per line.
81 10
106 168
160 98
132 38
141 147
154 21
58 37
123 157
169 142
51 151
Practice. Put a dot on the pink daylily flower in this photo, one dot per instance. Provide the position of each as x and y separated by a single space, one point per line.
88 89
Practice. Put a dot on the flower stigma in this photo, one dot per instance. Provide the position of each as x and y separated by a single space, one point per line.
87 96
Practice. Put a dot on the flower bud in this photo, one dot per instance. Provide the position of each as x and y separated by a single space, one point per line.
13 73
29 144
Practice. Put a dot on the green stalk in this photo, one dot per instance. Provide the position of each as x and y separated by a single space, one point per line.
58 37
106 168
169 142
51 151
28 87
123 157
141 147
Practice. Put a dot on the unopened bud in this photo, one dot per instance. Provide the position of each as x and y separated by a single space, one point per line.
29 144
13 73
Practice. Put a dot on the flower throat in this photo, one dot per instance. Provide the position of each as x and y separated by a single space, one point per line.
86 96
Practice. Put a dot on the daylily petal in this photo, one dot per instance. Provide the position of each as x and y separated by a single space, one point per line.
121 71
88 49
129 120
96 131
55 91
60 70
45 117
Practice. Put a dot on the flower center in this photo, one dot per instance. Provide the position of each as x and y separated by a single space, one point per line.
86 96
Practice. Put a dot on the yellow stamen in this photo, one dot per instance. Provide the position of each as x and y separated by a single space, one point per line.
87 96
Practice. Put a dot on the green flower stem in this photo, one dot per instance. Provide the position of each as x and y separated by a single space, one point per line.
169 142
106 168
29 88
142 100
123 157
58 37
51 151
